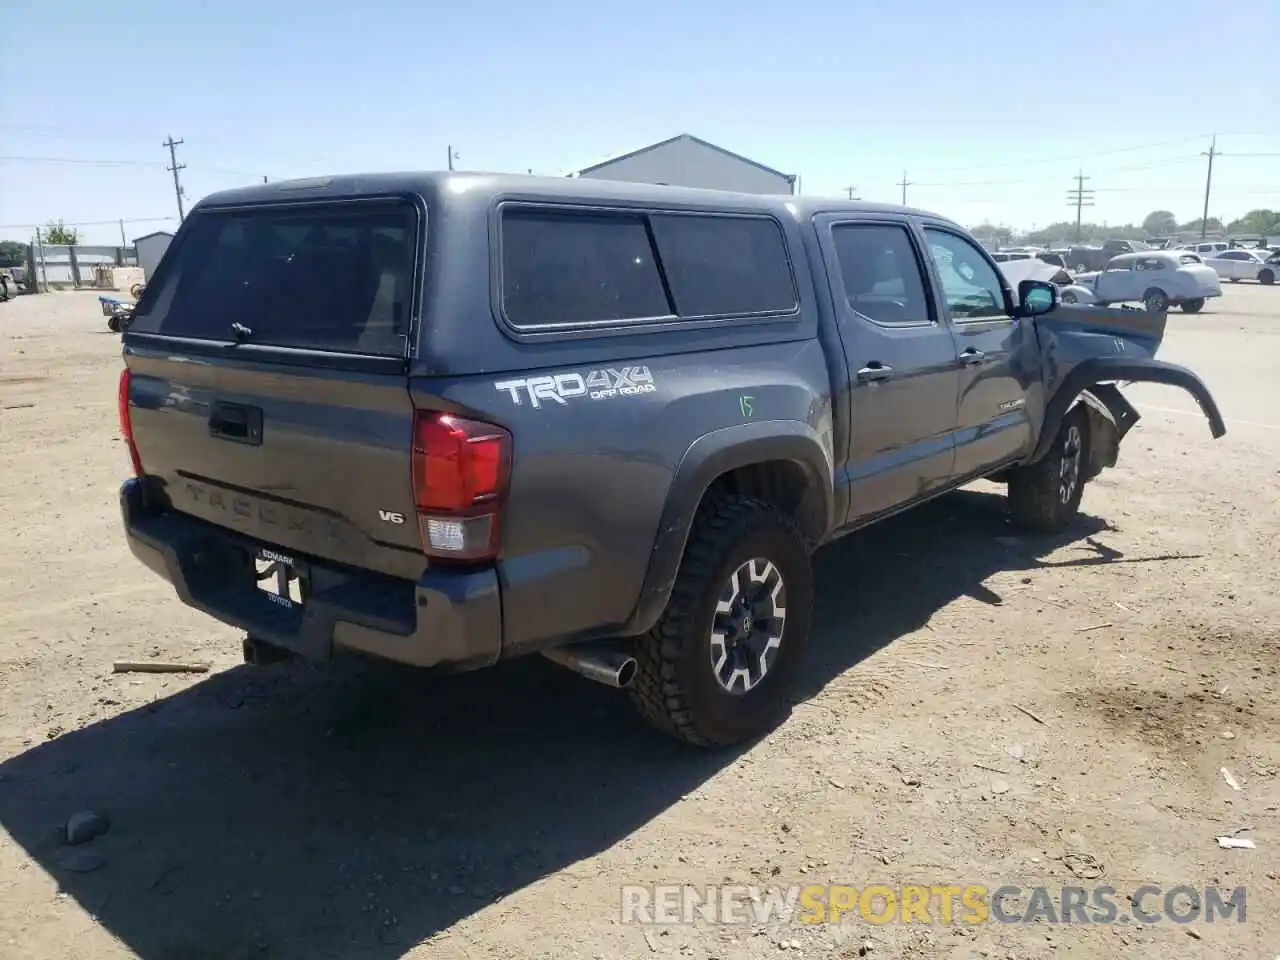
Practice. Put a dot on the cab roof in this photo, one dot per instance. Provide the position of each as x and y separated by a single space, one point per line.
468 187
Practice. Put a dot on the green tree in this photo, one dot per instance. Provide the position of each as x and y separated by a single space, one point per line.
12 254
1160 223
988 231
1265 222
56 233
1213 225
1064 232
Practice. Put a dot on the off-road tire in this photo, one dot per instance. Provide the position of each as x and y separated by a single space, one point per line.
113 324
675 688
1267 276
1193 306
1036 501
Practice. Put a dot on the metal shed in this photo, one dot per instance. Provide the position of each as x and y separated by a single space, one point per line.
150 249
688 161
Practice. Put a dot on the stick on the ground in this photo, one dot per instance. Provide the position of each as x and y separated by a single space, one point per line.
1096 626
1030 714
157 666
983 766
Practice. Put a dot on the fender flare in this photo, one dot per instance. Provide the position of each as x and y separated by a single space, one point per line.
1102 369
707 458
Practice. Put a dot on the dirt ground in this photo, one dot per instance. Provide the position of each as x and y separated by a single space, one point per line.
978 708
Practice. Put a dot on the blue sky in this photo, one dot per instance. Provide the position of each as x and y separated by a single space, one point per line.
990 107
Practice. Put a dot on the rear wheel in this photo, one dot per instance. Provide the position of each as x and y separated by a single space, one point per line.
718 667
1068 298
1267 276
113 324
1045 497
1155 300
1193 306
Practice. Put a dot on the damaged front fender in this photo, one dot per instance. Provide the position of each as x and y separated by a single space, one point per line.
1084 351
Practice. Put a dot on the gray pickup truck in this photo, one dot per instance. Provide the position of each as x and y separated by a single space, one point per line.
449 419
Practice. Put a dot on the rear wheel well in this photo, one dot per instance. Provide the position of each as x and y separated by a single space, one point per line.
784 483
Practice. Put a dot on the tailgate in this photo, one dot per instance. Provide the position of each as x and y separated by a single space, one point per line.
267 377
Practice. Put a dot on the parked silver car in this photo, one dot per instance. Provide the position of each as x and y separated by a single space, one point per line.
1240 264
1158 278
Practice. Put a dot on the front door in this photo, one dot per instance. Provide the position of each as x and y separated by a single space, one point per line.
1117 283
992 426
902 364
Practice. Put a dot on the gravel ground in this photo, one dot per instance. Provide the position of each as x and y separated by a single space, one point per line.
978 708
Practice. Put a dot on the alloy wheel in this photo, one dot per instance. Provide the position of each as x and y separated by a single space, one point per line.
748 626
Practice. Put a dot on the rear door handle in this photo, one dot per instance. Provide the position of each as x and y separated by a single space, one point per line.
236 422
972 357
873 371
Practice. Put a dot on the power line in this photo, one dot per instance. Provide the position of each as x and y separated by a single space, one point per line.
175 166
88 163
1045 179
149 164
1062 158
86 223
904 183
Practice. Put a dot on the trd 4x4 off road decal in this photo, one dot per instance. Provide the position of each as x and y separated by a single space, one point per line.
563 387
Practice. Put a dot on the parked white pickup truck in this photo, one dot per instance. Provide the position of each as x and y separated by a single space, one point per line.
1159 279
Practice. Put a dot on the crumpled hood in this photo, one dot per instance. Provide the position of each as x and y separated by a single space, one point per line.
1015 271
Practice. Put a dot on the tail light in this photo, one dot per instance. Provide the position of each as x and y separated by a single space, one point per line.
460 473
126 422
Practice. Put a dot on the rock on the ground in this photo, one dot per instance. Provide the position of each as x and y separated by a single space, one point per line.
85 825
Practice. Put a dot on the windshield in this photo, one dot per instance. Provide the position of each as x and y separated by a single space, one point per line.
333 277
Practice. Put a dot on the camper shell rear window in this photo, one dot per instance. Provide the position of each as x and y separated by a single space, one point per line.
332 276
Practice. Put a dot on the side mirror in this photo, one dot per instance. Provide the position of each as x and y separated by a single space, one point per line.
1036 297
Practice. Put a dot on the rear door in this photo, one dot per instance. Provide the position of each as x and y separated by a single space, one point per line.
268 376
902 363
992 424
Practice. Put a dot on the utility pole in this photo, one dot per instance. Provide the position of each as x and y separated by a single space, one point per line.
1080 198
42 284
175 166
904 183
452 156
850 190
124 244
1208 183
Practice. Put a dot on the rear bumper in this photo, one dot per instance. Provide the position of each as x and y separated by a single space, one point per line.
448 618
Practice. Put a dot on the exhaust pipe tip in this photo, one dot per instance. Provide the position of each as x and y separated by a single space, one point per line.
604 663
626 672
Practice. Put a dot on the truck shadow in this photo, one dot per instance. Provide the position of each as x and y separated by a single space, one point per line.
316 812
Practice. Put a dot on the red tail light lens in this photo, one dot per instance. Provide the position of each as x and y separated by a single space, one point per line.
460 473
126 422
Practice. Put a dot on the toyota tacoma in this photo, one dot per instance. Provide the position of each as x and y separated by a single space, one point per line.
449 419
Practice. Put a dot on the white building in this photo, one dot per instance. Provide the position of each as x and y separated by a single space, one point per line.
687 161
150 249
